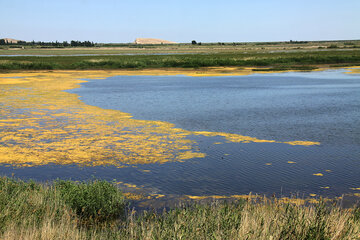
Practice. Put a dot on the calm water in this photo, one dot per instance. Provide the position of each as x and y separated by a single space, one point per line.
316 106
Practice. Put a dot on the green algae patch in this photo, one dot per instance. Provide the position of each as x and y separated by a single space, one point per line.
41 124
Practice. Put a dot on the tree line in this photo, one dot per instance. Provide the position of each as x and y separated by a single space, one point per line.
72 43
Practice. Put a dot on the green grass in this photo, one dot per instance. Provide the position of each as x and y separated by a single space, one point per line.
215 47
96 210
97 201
28 203
276 60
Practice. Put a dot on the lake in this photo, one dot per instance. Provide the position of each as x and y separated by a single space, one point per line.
281 108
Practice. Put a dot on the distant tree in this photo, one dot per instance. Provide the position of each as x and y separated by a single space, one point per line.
193 42
199 43
333 46
87 44
2 42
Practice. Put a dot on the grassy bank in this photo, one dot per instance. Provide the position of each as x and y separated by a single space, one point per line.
96 210
276 60
218 47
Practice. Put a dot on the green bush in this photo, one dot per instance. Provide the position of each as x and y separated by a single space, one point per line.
93 200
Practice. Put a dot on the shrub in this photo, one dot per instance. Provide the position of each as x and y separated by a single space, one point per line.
94 200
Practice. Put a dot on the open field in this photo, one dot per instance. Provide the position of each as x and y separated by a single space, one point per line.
273 55
251 47
292 60
97 210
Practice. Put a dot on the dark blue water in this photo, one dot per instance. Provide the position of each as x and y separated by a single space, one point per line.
316 106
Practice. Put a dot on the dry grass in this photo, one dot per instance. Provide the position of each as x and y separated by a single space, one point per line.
247 221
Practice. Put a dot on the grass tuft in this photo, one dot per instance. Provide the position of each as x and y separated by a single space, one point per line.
94 200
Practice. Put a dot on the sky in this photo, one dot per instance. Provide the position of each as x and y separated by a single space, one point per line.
180 21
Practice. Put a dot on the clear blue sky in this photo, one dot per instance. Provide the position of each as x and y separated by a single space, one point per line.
180 21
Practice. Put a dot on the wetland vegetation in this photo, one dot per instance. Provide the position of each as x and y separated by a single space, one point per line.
272 56
98 210
275 61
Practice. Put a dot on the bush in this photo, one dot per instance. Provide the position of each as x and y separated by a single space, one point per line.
333 46
94 200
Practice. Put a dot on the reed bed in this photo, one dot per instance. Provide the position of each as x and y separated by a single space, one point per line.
98 210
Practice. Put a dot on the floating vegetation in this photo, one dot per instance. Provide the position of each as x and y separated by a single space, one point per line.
43 124
353 70
287 200
318 174
236 138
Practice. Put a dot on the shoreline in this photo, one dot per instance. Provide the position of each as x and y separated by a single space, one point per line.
193 72
98 210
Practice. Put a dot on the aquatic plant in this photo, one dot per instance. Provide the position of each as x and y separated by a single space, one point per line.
35 104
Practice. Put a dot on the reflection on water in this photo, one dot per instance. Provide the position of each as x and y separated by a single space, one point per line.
208 152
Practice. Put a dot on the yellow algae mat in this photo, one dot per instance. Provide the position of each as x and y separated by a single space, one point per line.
40 123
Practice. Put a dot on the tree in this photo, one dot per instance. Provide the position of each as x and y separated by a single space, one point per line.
193 42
